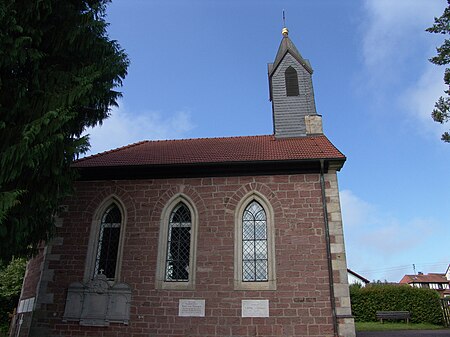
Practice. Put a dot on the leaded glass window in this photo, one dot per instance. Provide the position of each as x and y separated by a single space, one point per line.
108 243
254 243
178 244
291 79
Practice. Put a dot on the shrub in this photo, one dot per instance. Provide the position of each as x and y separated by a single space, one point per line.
424 304
11 277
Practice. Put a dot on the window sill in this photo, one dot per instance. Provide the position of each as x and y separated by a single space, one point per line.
175 285
260 286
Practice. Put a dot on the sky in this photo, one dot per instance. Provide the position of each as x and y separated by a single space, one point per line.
199 69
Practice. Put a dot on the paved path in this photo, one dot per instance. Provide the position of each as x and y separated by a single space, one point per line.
405 333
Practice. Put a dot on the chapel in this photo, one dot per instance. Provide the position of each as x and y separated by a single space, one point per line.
231 236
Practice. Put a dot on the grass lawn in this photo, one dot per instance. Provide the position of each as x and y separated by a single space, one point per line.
377 326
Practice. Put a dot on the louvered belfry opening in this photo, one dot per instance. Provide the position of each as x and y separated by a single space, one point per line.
291 82
108 243
254 243
178 244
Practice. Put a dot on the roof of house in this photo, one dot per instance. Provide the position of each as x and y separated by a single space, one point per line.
358 276
428 278
214 151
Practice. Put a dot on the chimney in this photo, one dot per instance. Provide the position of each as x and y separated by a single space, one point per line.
313 125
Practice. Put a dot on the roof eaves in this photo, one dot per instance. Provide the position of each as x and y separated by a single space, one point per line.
301 60
204 169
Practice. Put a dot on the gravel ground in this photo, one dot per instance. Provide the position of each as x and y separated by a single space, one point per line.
405 333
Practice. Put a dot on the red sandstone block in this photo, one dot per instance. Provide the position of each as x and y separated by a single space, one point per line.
312 177
292 194
240 330
301 330
326 330
307 186
223 330
290 313
297 178
206 181
206 329
313 330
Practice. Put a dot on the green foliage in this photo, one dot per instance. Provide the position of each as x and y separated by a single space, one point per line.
58 71
11 277
424 304
442 107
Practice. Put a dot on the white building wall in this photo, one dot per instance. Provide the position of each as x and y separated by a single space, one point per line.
354 280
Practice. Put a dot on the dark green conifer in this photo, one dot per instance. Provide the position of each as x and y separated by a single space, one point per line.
58 72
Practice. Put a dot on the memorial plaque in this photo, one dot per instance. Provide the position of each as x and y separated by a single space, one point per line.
255 308
97 303
191 308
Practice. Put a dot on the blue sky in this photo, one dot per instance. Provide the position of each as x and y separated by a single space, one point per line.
199 69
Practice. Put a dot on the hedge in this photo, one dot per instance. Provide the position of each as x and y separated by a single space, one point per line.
423 304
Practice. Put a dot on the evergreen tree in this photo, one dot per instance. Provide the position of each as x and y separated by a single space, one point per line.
58 72
441 113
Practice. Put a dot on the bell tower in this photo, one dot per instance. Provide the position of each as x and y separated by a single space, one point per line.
291 93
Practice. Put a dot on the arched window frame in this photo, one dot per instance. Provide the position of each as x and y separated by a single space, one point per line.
239 283
161 282
291 82
94 239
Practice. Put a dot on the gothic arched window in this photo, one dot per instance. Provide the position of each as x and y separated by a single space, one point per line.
108 243
254 246
291 79
254 243
178 244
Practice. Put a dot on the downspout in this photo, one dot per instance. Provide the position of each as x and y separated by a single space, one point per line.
327 242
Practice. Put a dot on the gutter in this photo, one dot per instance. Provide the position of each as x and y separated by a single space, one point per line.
328 246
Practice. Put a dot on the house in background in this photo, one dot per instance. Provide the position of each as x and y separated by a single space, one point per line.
438 282
447 276
235 236
354 278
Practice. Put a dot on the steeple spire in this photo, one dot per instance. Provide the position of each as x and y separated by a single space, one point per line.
284 31
291 92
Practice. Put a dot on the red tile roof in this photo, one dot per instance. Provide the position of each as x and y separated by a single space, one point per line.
215 150
429 278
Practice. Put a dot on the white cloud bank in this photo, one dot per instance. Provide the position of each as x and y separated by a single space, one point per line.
394 42
375 239
380 232
420 97
394 28
123 128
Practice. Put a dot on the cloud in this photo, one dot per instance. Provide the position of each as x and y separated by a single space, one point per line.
123 128
355 211
395 53
370 230
393 28
383 246
394 236
420 97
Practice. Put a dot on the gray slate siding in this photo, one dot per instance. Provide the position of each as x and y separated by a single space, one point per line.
289 112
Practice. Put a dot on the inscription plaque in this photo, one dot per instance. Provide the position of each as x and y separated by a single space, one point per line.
191 308
255 308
